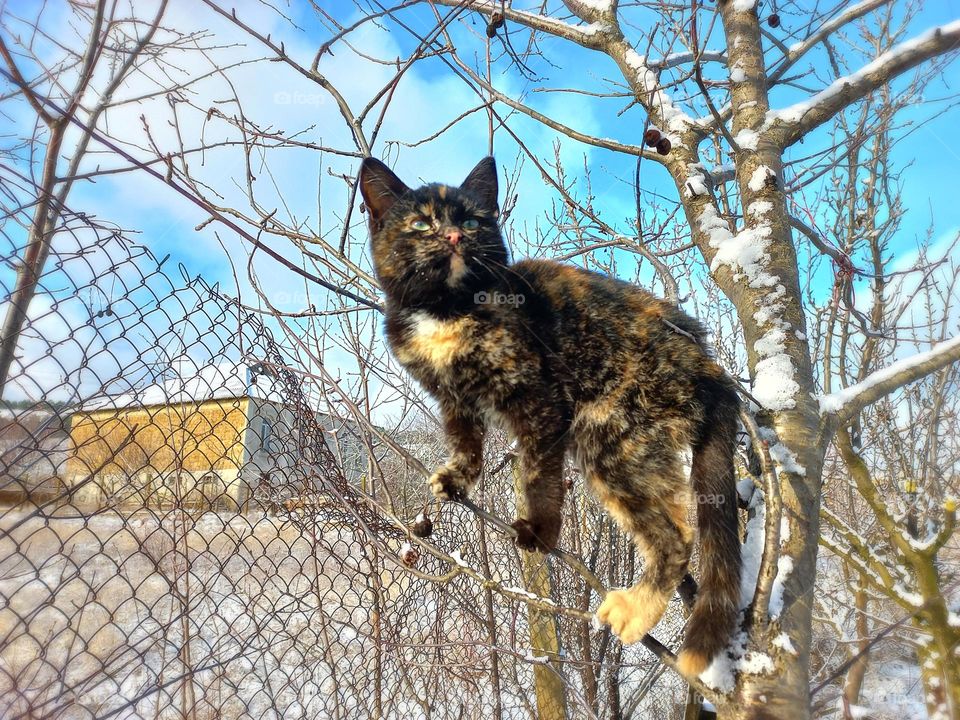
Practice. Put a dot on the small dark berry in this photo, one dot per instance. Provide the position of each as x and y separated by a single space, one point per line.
422 527
652 136
496 22
663 147
773 21
409 555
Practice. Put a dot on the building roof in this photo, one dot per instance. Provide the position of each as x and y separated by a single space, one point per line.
188 383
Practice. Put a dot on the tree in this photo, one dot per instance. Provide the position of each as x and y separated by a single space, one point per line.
755 264
113 50
889 489
709 80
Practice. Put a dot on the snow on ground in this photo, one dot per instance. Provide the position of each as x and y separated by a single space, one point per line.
103 615
236 616
892 690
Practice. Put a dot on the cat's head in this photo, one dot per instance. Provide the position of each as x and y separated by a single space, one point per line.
437 244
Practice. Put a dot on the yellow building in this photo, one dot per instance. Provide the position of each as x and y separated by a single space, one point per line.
207 438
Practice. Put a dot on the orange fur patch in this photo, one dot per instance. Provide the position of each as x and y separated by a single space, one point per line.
598 412
632 613
691 663
432 340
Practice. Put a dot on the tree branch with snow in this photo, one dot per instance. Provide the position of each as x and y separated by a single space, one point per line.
840 406
593 10
798 50
585 35
793 122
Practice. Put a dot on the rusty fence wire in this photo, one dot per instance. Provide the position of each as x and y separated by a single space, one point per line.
186 532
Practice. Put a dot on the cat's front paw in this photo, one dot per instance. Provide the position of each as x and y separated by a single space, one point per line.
536 536
449 483
633 612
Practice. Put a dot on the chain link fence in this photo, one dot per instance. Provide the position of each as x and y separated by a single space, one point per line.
189 529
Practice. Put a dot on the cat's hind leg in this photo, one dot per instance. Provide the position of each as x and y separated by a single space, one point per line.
652 508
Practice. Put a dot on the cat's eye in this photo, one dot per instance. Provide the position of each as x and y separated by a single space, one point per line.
420 225
471 224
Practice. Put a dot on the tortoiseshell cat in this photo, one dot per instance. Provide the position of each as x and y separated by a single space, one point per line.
565 359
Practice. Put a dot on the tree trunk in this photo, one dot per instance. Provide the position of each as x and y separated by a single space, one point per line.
854 679
769 304
939 661
544 640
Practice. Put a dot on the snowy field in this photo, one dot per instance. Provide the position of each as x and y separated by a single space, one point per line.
892 690
153 615
171 615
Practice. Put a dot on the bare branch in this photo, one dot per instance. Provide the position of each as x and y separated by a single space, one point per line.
792 123
21 82
817 241
801 48
606 143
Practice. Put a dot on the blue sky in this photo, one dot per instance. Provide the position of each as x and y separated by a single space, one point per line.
275 96
932 155
929 160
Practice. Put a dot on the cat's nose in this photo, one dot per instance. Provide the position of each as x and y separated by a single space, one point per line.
453 236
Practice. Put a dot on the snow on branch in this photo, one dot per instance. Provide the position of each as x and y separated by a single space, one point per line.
797 120
799 49
844 404
646 84
682 58
592 10
586 35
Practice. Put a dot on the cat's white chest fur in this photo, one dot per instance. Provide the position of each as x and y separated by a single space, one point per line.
433 340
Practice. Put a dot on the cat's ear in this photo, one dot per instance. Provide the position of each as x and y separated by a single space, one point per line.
482 184
380 189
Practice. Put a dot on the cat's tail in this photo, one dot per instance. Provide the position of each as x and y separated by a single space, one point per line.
715 609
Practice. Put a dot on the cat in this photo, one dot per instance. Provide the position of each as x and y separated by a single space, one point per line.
566 360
